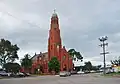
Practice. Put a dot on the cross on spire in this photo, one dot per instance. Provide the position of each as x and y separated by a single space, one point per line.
54 13
54 10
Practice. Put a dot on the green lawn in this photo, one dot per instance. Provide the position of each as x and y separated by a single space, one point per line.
112 74
1 78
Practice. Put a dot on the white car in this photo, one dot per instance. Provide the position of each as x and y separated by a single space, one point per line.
3 73
92 71
64 74
80 72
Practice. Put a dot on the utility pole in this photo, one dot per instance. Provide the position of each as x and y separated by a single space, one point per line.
103 44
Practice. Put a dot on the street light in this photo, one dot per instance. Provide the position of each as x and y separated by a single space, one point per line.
103 39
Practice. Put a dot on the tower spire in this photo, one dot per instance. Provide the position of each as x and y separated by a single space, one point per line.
54 13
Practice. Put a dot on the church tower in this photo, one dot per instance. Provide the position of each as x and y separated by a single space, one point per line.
54 40
55 47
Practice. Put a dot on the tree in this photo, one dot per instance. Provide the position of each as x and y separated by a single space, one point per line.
73 53
99 66
8 52
88 66
12 67
54 65
26 62
96 67
116 62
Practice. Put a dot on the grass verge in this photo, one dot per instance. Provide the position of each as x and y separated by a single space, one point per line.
112 75
1 78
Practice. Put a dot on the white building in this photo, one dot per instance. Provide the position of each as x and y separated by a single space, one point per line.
78 62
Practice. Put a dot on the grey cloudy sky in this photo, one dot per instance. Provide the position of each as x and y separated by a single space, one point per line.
82 22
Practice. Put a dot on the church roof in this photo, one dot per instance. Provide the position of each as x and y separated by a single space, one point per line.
40 55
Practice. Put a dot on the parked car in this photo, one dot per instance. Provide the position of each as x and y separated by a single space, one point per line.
80 72
92 71
3 73
73 72
68 73
86 72
20 74
26 74
64 74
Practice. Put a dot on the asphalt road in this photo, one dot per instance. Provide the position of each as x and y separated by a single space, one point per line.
75 79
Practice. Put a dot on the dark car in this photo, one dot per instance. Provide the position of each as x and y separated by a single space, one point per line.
20 74
73 72
26 74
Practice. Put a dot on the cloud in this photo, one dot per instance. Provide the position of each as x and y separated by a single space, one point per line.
82 22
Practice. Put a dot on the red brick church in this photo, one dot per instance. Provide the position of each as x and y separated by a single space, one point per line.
55 48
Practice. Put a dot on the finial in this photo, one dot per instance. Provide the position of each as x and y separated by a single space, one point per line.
54 13
54 10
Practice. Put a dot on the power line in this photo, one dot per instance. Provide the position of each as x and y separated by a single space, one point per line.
21 19
26 21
